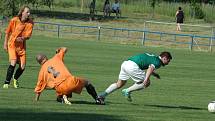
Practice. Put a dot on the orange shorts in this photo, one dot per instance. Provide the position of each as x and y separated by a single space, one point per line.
72 84
16 54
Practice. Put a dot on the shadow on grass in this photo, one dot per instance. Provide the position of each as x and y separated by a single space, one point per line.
179 107
188 31
83 102
27 115
70 15
28 88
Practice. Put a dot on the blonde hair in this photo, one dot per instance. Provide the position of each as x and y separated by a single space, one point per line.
21 10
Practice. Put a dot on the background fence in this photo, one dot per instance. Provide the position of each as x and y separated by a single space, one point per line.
144 36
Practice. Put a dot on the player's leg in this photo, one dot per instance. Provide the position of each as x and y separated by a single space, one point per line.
135 87
19 71
65 100
138 76
178 27
63 93
113 87
123 77
91 90
117 13
9 74
10 70
60 99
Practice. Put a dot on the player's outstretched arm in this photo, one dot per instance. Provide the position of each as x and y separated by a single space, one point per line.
149 71
156 75
37 97
60 52
6 42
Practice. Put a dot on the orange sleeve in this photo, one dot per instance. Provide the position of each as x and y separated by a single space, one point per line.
10 26
28 30
41 84
61 54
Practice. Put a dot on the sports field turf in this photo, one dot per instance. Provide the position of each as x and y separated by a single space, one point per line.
183 93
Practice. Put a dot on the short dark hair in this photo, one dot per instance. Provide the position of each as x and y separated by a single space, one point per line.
179 8
166 54
40 57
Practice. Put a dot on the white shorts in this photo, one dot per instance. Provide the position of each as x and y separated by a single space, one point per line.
130 69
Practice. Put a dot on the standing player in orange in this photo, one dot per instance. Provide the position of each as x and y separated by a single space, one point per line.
18 31
54 74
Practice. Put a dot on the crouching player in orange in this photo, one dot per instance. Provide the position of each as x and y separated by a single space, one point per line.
18 31
54 74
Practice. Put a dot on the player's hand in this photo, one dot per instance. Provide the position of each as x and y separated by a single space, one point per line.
157 76
57 50
20 39
61 48
146 83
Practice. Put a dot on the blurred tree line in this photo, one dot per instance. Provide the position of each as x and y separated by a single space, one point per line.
11 7
195 5
184 1
198 1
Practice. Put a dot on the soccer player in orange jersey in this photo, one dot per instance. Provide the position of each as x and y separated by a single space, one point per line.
55 75
18 31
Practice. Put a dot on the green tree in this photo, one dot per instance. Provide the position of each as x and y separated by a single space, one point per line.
8 7
48 3
153 3
196 10
11 7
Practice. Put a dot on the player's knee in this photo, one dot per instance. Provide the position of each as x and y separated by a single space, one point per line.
22 67
120 83
86 83
13 62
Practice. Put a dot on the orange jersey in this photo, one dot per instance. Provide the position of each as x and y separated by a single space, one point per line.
15 29
54 74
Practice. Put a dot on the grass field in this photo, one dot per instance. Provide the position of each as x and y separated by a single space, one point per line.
183 93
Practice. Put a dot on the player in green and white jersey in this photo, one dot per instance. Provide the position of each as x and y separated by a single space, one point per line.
134 68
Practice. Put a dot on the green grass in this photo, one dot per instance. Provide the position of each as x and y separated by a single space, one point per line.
183 93
164 11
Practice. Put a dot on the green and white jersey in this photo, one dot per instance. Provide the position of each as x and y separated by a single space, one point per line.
145 60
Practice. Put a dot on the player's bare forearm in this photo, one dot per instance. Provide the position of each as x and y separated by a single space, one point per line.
148 74
6 42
